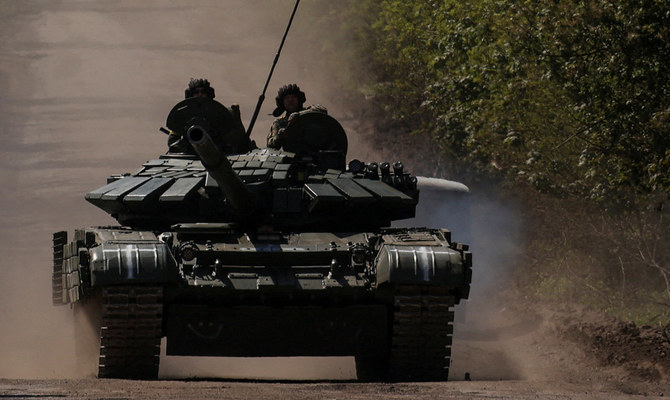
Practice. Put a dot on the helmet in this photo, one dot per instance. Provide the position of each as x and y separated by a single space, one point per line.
291 88
195 84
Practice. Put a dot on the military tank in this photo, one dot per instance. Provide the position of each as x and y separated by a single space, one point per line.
230 250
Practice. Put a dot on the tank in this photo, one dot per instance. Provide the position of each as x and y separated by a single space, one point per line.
226 249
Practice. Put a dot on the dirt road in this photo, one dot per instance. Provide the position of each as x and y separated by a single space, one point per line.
202 390
85 87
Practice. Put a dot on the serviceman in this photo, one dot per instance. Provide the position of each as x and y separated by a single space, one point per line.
202 88
290 100
199 88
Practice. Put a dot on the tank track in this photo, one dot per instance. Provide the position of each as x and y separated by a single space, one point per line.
131 331
59 240
422 334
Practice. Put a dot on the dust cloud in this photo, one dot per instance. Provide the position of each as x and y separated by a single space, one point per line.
85 87
491 341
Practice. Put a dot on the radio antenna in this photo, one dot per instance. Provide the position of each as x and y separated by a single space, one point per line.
261 98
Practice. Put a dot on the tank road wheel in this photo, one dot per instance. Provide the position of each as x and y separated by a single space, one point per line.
422 332
131 331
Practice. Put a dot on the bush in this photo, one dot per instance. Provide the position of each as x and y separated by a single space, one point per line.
571 97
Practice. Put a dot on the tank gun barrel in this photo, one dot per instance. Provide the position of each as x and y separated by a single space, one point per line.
220 169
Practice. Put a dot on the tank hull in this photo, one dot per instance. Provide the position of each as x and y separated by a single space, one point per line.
213 290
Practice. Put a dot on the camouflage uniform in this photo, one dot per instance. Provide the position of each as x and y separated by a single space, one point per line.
276 136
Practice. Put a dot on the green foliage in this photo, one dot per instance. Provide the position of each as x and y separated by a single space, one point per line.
572 97
569 98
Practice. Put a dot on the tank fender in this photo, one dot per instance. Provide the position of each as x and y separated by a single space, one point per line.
106 256
420 265
114 262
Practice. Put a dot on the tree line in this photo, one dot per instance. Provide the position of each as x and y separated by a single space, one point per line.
570 98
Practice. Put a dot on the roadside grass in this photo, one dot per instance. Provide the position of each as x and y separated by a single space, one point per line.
640 305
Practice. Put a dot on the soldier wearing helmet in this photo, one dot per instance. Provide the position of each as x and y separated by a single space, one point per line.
290 100
202 88
199 88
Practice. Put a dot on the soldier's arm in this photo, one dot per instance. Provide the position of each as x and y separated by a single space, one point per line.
317 108
310 109
275 136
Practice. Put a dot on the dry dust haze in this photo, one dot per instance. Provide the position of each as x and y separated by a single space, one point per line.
85 86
